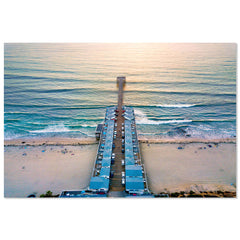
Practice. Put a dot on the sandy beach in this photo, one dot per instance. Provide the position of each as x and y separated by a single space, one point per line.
35 169
197 167
34 166
50 141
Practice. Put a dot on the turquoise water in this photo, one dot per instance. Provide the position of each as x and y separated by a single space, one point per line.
62 90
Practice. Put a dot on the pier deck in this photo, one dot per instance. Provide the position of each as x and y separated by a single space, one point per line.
116 180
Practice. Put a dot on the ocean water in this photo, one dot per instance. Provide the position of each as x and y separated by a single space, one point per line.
177 89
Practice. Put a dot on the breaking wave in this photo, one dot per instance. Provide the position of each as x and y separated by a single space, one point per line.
176 105
62 128
51 129
141 118
152 122
89 126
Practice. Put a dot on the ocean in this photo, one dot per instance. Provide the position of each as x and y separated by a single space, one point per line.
178 90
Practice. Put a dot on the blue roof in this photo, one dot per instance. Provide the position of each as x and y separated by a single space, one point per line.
98 183
106 162
133 170
105 172
134 184
107 152
129 156
129 148
129 113
102 181
129 161
110 113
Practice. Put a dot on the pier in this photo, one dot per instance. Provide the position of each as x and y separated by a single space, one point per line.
117 166
118 170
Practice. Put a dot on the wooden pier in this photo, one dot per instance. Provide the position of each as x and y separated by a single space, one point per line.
117 168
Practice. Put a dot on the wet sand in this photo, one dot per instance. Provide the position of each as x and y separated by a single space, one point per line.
37 169
185 140
50 141
196 167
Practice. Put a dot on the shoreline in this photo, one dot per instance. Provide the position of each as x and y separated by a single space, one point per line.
187 140
51 141
57 141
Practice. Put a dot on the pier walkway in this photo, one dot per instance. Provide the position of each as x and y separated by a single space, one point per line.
117 167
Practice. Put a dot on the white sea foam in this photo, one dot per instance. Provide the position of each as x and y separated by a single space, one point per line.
209 132
153 122
10 135
139 114
53 128
176 105
89 125
141 118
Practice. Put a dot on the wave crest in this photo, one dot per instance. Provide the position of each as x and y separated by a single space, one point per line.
176 105
89 125
51 129
152 122
141 118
